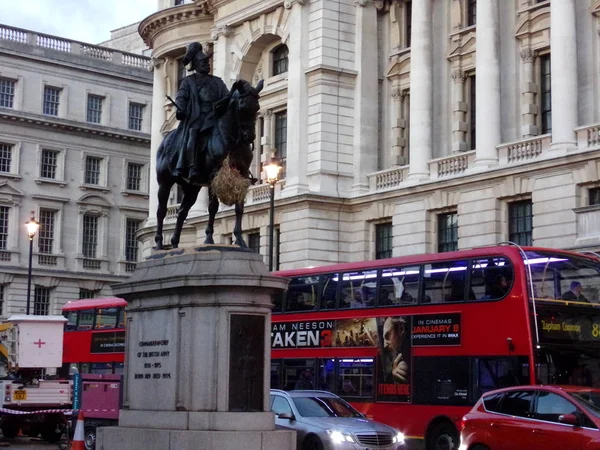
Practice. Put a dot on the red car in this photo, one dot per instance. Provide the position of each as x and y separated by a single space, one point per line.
534 417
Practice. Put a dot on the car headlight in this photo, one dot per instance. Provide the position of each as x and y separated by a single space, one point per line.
399 438
338 437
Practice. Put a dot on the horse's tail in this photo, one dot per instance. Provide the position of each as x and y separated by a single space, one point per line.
166 155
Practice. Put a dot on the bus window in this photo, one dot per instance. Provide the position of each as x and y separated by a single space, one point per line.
355 378
495 373
302 294
445 282
326 375
275 374
71 317
298 374
101 368
86 319
106 318
278 301
119 368
399 286
491 278
122 317
358 289
329 284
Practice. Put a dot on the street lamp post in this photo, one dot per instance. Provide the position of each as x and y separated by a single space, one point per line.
32 229
272 171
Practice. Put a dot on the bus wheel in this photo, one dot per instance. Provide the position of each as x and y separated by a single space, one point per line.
10 432
442 436
312 443
90 438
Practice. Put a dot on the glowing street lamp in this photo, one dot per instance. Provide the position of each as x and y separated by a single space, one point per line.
32 228
272 172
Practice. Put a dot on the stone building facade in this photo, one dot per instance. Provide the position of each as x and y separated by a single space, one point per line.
404 126
74 148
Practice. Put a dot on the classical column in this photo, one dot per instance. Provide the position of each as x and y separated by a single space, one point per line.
529 89
221 60
159 91
563 61
297 104
366 119
421 90
399 141
487 91
459 112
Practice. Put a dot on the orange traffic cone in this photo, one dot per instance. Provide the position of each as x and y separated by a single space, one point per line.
79 437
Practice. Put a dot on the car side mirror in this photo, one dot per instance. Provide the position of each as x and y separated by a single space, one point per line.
569 419
288 416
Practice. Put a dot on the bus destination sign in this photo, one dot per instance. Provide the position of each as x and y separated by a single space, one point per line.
568 327
436 330
108 342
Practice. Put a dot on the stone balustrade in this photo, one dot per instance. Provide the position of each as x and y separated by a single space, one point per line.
450 166
387 179
588 137
524 151
59 44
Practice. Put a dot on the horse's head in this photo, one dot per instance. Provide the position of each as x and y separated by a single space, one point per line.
246 97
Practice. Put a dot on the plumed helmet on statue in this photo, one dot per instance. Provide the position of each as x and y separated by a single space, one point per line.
194 49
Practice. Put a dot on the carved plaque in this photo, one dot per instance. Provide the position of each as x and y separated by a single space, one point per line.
246 363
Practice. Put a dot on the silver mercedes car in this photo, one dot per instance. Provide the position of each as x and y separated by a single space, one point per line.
324 421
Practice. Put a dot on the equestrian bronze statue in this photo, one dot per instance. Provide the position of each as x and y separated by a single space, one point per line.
216 128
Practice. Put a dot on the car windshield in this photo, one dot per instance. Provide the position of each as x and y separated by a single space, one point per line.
324 407
590 400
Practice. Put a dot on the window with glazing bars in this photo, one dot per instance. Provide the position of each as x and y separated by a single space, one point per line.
5 157
447 232
135 116
87 293
92 170
2 289
131 243
472 80
280 59
46 232
7 93
51 100
4 210
281 138
90 236
41 301
254 242
408 23
134 176
384 240
471 12
546 94
520 222
594 195
94 109
49 163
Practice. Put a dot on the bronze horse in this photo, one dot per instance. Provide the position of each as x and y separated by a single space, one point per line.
232 135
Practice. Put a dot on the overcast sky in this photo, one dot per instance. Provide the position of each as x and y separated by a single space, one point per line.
82 20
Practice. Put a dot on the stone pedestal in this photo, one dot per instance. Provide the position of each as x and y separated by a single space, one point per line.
198 354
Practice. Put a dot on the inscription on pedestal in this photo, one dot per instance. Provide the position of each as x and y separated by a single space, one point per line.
246 363
154 360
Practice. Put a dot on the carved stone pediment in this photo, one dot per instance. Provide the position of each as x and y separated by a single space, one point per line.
463 46
534 27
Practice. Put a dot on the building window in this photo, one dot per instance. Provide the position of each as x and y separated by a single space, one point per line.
471 12
594 195
87 293
49 164
94 109
383 241
2 289
5 157
92 169
134 176
41 301
447 232
546 94
254 242
7 93
472 86
281 138
408 22
280 59
51 100
135 116
4 210
520 222
46 233
131 243
90 236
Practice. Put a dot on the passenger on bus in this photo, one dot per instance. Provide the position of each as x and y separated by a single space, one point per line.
574 293
348 387
305 380
498 289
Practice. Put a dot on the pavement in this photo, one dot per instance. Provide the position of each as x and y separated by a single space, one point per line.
27 443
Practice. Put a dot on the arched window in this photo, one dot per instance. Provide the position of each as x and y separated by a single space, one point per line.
280 59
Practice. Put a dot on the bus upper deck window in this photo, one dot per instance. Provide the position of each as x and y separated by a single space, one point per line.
86 319
491 278
302 294
71 317
106 318
122 318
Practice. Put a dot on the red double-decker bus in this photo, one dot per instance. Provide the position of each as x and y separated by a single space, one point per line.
94 338
414 341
